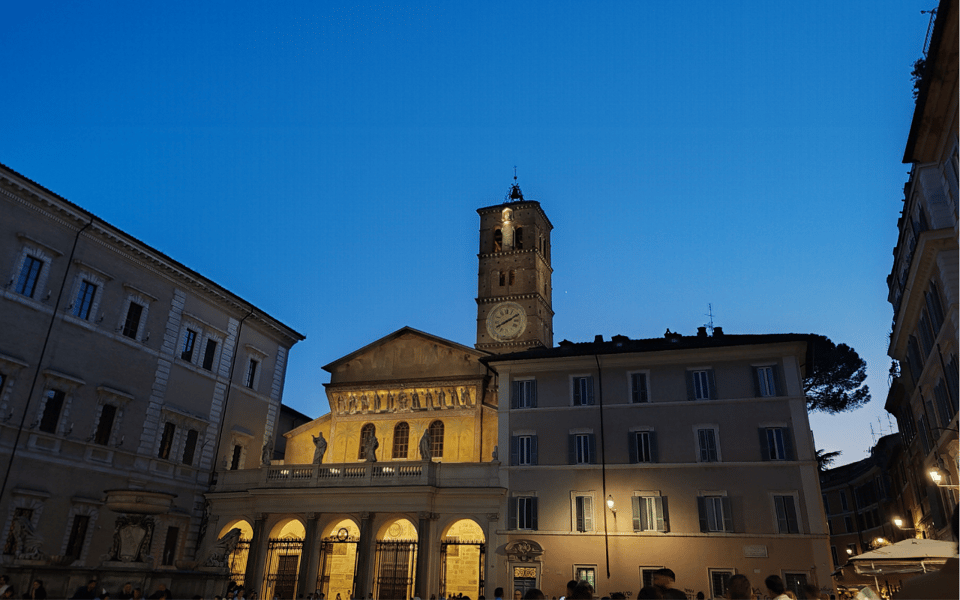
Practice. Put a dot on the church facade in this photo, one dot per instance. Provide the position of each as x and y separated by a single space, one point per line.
443 469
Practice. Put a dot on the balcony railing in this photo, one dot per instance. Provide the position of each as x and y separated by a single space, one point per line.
361 475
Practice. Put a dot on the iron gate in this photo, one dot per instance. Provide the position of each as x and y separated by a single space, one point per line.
331 548
238 561
283 562
396 564
451 549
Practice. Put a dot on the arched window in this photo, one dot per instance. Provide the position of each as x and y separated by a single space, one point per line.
401 440
366 433
436 439
518 238
497 240
503 278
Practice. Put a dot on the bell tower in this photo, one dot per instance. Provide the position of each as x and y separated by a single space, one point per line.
514 291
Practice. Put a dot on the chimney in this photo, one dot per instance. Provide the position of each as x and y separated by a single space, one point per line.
718 332
598 339
701 332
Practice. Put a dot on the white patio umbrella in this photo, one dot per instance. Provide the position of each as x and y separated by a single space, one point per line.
907 556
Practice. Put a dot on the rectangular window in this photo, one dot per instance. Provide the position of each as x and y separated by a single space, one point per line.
643 447
525 450
715 513
649 513
51 411
524 394
29 273
208 354
252 372
843 501
701 385
766 382
526 512
719 580
235 460
826 504
84 301
707 445
944 406
583 507
646 575
586 573
170 546
189 341
582 449
166 440
132 323
78 533
848 525
190 446
108 413
775 443
583 391
638 387
786 514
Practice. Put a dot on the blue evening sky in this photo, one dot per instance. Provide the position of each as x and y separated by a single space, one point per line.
324 160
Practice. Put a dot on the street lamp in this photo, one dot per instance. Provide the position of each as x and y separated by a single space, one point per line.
850 551
899 523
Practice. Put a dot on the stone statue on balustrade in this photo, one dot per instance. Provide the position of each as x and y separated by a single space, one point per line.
319 448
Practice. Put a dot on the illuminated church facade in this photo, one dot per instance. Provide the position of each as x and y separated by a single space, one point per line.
443 469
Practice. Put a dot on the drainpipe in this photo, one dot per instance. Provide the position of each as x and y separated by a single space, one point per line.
43 351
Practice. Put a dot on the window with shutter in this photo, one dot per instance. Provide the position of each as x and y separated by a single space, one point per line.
786 514
583 507
582 391
638 387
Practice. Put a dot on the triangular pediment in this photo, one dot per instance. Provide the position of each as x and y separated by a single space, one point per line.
404 355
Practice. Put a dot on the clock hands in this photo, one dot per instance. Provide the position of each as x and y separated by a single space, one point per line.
502 323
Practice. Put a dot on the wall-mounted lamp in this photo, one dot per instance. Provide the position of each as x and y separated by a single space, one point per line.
120 443
610 505
938 476
850 551
47 297
899 523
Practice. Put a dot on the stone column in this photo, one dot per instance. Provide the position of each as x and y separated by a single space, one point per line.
423 560
365 548
307 579
491 578
258 547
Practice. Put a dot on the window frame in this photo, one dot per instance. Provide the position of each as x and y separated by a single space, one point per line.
729 572
766 381
635 445
697 386
523 393
583 515
401 444
436 429
586 572
577 390
771 452
582 448
137 296
782 521
523 511
639 394
700 450
520 456
653 506
707 503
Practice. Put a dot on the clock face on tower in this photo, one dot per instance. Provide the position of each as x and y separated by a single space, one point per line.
506 321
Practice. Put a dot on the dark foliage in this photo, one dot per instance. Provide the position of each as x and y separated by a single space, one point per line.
826 459
917 75
834 382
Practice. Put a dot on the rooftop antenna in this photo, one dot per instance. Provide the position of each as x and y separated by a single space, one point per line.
873 435
709 325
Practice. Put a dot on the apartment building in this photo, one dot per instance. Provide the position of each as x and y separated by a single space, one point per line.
126 381
923 289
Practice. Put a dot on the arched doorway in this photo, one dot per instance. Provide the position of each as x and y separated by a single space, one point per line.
396 560
284 548
462 556
238 558
337 571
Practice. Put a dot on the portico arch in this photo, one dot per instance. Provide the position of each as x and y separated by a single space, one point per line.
284 548
462 557
238 558
337 568
396 559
